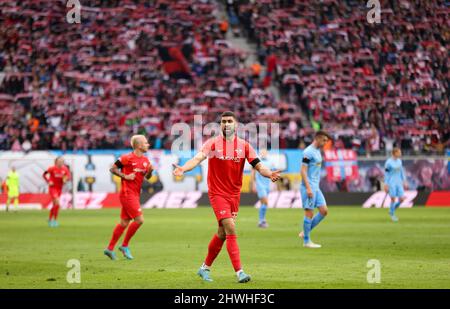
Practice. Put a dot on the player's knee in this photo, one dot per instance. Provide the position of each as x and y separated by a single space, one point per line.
323 211
140 221
231 231
221 235
309 214
124 223
229 227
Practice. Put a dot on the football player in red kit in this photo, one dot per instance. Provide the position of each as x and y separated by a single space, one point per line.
56 176
226 155
131 168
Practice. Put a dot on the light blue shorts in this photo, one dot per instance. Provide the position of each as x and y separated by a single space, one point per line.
317 200
396 191
262 191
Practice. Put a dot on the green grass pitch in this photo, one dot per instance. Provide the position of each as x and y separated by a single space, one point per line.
169 248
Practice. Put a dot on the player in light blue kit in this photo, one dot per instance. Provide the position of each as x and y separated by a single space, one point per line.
261 185
395 181
310 192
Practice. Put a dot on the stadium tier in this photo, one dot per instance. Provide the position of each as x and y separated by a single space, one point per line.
142 66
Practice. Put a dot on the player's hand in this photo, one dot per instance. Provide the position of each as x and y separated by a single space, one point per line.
130 176
309 193
50 183
178 171
253 189
275 175
386 188
405 186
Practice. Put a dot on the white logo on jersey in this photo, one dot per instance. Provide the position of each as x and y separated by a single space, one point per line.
139 170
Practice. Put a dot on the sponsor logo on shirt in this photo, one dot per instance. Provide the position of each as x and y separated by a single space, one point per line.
235 159
139 170
220 156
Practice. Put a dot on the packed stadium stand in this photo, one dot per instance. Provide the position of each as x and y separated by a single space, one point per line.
142 66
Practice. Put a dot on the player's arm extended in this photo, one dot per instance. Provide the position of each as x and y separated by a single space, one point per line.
266 172
189 165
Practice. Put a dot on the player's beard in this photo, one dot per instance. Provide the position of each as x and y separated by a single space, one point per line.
228 133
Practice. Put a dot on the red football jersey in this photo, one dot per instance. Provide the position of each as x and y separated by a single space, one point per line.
131 163
56 175
226 160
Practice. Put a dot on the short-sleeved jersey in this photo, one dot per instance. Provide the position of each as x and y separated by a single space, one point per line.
226 160
313 159
260 180
12 180
131 163
394 172
56 175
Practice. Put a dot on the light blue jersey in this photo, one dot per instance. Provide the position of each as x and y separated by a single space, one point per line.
313 159
394 177
263 183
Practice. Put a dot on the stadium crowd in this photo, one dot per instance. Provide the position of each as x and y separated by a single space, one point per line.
141 66
372 85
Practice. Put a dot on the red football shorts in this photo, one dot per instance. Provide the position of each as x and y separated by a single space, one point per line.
131 207
225 206
54 192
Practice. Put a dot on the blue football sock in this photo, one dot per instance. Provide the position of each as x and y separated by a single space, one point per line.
307 228
397 205
262 213
316 220
392 208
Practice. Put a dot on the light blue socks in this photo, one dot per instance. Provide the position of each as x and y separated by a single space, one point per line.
262 213
316 220
307 223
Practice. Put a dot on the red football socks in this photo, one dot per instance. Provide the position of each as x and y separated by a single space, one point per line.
214 247
118 230
233 252
50 214
134 226
53 212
